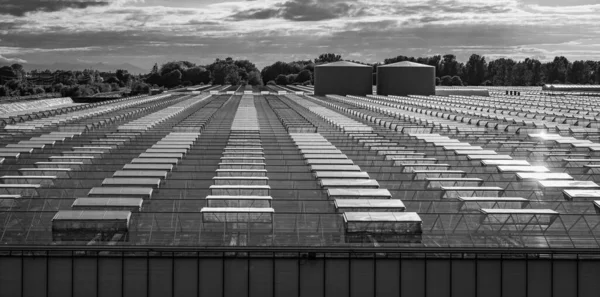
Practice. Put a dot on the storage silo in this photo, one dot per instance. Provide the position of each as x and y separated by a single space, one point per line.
405 78
343 78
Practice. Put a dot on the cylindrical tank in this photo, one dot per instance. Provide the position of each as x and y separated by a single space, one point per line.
343 78
405 78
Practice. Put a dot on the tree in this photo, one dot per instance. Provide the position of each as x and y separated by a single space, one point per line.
242 74
6 74
169 67
232 77
581 73
281 80
271 72
196 75
154 79
113 79
500 72
18 71
172 79
14 85
521 75
254 78
303 76
124 77
328 58
399 59
245 67
535 68
558 70
154 69
225 73
449 66
475 70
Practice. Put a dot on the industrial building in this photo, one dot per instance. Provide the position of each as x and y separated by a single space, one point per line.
240 191
405 78
343 78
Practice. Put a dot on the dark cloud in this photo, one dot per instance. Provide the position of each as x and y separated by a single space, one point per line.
318 10
301 10
21 7
256 14
436 9
11 25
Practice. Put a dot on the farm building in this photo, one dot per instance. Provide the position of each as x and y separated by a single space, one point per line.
343 78
405 78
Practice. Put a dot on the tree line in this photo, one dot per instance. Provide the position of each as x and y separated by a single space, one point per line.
15 81
185 73
476 71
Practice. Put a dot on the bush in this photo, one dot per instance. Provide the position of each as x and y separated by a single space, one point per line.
139 88
446 80
438 81
281 80
271 83
57 87
39 90
26 91
303 76
187 83
3 91
77 91
456 81
102 88
114 87
291 78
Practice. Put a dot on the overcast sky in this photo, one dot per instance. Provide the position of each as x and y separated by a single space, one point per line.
143 32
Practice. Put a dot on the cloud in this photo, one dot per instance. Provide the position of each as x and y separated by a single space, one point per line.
4 60
19 50
301 10
268 30
578 9
21 7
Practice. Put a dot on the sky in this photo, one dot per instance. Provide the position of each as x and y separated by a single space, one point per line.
144 32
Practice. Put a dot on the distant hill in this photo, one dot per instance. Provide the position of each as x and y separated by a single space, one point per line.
103 67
